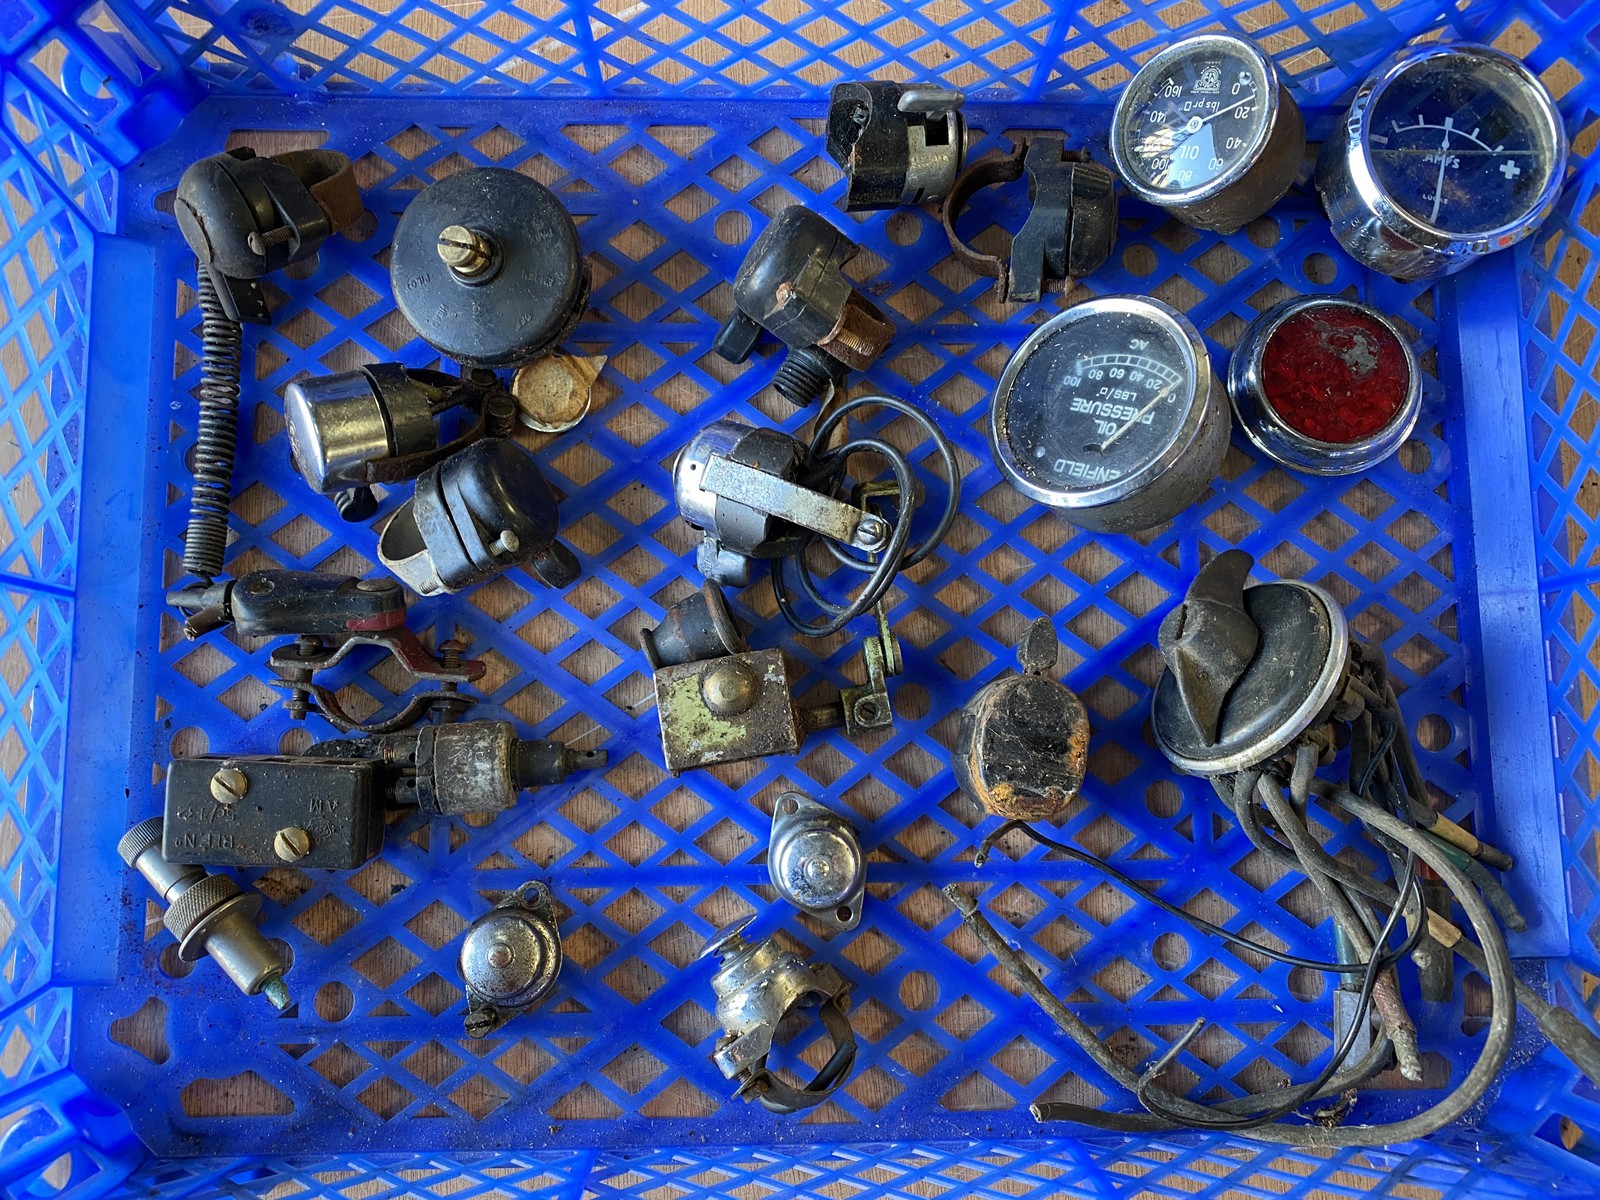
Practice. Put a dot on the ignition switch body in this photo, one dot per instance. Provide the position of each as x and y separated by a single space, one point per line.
792 284
896 144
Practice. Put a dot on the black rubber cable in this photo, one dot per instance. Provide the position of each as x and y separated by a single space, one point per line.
885 566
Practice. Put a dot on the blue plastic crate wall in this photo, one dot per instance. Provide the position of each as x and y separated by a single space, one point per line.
646 866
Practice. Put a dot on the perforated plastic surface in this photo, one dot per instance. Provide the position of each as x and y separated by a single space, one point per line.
644 867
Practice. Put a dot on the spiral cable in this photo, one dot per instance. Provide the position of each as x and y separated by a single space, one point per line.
205 543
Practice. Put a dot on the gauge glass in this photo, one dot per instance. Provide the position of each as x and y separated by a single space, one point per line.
1096 400
1462 142
1195 114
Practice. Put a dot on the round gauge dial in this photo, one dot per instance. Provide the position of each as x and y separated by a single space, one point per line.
1463 141
1449 152
1196 114
1100 404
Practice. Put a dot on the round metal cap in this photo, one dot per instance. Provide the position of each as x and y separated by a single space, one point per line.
817 867
510 957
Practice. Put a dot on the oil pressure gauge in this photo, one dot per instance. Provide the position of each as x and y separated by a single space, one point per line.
1111 413
1448 153
1207 131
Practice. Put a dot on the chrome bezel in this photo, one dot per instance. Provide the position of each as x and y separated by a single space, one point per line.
1268 432
1401 224
1271 91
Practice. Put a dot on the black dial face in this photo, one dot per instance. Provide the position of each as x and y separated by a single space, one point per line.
1096 400
1461 143
1196 116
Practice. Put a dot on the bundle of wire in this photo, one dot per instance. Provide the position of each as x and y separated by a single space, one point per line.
882 568
1384 792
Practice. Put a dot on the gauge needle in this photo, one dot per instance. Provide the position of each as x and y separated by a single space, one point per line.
1101 447
1230 108
1438 188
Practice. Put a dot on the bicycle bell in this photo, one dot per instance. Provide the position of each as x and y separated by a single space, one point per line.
1249 670
480 512
896 144
487 268
1110 412
1207 131
1449 152
246 215
1325 385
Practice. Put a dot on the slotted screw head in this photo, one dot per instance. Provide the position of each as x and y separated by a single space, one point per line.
229 785
292 844
463 251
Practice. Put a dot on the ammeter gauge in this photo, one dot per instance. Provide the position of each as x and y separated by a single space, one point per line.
1325 385
1207 131
1449 152
1110 412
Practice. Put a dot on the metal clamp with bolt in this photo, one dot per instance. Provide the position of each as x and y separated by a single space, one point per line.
329 616
326 808
729 704
510 958
814 860
762 494
379 424
208 914
792 284
757 985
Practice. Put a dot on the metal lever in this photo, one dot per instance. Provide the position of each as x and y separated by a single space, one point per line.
798 505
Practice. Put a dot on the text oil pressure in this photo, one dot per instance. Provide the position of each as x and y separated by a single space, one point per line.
1111 413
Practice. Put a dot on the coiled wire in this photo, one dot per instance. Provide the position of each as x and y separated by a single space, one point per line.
895 557
205 543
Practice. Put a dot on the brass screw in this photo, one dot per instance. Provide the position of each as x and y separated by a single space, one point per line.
292 844
229 785
464 252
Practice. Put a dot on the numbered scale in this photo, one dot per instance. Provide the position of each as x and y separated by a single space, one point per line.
1207 131
1450 152
1110 412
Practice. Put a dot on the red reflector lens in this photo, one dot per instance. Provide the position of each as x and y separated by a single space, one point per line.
1335 373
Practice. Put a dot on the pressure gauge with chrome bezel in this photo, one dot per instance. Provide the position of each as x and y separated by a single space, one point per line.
1207 131
1110 412
1448 153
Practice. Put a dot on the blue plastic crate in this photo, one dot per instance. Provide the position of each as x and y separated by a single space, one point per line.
672 131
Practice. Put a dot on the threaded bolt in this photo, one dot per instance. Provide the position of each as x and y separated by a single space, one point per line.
292 844
465 252
803 377
229 785
508 543
260 243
